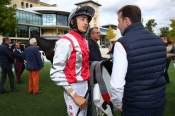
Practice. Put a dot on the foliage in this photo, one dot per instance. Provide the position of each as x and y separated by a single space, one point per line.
164 31
150 25
171 33
110 35
7 18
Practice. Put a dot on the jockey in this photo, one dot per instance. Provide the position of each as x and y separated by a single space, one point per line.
71 61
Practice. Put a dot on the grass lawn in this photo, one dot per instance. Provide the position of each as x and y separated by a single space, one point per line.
170 93
50 101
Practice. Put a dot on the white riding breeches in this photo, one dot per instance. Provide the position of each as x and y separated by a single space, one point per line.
72 109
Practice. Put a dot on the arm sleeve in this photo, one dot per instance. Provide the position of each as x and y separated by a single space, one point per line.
38 56
9 53
91 57
63 49
119 70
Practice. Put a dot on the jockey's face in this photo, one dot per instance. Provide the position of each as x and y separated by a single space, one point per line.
82 23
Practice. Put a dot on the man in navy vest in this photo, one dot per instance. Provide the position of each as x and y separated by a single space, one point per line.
137 82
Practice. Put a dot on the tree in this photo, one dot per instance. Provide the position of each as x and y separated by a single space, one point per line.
8 20
110 34
171 33
164 31
150 25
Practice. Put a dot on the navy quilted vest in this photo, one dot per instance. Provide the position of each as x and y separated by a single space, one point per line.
145 82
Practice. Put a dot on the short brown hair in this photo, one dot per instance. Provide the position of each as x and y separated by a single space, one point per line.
5 39
132 12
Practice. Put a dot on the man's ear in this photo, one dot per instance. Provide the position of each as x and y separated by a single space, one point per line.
128 21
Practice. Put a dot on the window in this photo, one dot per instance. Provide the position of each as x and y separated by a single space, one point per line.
22 4
39 19
27 5
62 20
24 17
31 5
22 31
49 19
34 32
20 16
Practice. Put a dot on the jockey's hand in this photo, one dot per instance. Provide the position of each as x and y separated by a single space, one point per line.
25 61
119 109
80 101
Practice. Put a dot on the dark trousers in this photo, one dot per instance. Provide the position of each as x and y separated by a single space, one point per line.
19 68
6 70
166 71
143 112
0 83
167 76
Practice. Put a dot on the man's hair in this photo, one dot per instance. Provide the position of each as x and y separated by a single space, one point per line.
33 41
132 12
17 42
4 39
91 30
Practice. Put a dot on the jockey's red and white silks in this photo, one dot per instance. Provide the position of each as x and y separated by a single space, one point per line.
71 60
77 66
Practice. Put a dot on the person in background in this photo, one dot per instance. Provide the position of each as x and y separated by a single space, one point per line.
111 48
19 61
71 62
139 61
33 64
6 62
94 51
170 55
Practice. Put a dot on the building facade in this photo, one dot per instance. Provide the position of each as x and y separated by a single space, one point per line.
37 21
96 19
37 18
54 21
29 3
29 24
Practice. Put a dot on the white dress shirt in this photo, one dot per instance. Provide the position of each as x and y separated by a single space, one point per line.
119 70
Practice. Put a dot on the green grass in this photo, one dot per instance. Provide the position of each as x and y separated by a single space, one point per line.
50 102
170 93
